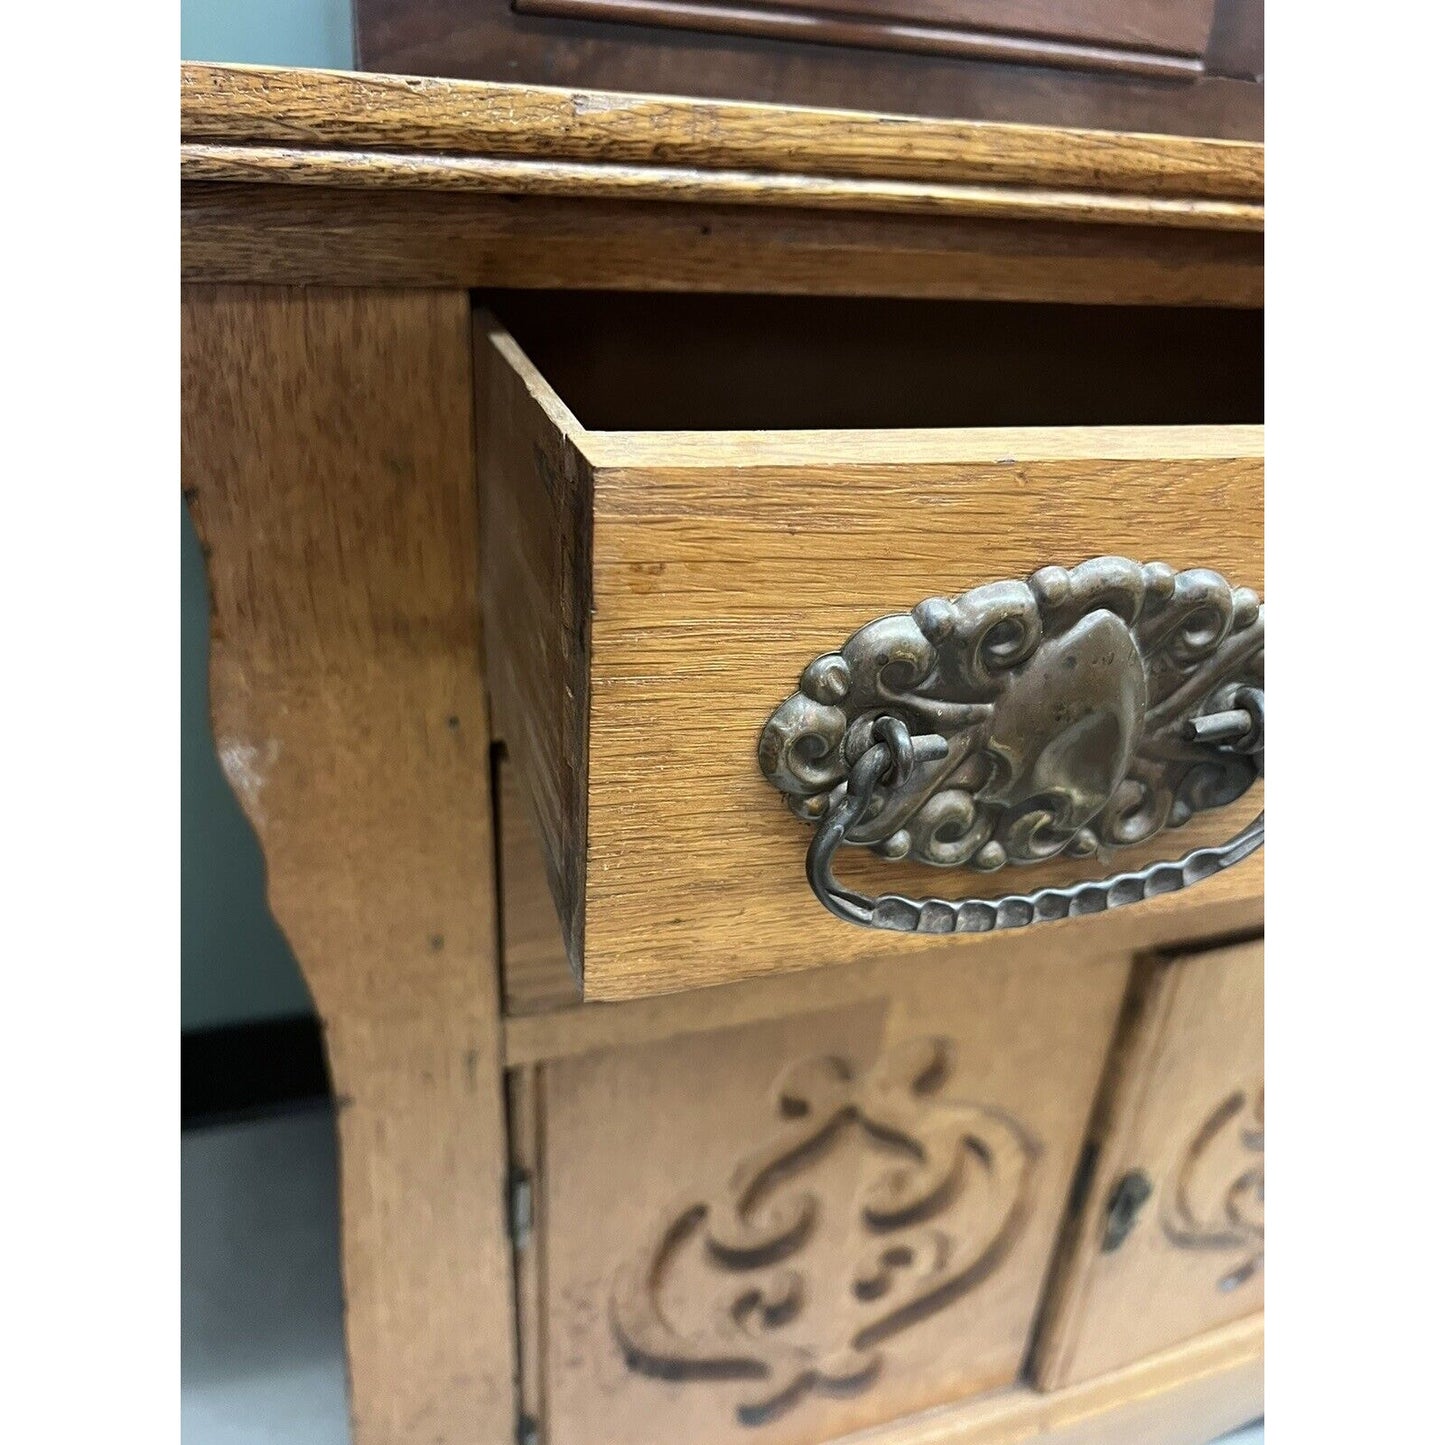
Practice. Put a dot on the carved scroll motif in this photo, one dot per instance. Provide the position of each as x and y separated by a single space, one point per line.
942 1194
1216 1199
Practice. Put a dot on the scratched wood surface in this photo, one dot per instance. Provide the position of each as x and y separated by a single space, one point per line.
331 113
310 177
326 456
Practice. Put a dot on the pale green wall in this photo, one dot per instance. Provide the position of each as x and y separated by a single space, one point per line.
235 966
268 32
234 963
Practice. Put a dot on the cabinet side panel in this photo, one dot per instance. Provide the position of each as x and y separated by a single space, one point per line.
327 460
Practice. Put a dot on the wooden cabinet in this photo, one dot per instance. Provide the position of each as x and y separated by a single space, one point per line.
710 1252
1170 1240
538 442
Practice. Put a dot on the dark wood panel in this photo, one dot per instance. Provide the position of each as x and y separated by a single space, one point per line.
924 27
486 40
1178 25
1236 44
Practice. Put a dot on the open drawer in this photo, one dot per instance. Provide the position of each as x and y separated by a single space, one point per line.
687 501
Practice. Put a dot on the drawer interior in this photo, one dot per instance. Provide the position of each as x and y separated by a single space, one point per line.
625 362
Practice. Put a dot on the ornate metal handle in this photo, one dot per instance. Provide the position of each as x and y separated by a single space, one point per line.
1080 712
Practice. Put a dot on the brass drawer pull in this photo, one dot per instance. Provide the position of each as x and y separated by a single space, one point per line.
1076 713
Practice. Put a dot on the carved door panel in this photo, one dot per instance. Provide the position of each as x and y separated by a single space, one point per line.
1169 1241
782 1232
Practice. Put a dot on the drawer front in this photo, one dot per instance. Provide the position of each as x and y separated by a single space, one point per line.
784 1232
654 596
1170 1240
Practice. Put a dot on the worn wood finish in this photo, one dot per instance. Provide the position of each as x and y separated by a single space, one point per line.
935 1126
333 113
711 581
326 444
490 175
918 27
487 40
640 579
309 235
310 177
1185 1108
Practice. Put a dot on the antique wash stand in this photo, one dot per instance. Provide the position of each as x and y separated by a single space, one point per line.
739 631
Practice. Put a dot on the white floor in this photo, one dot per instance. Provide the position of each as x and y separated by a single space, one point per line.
261 1348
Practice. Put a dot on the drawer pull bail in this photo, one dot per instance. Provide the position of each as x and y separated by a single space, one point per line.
1076 714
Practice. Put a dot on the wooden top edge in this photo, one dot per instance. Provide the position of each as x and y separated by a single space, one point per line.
912 447
227 107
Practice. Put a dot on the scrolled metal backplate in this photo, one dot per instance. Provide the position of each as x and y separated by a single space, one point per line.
1077 713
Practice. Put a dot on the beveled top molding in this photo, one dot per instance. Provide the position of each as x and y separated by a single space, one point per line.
253 125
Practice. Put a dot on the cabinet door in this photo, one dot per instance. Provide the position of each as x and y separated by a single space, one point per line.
781 1232
1169 1241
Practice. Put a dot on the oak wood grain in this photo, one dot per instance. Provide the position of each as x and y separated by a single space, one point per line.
311 235
335 112
547 1019
326 446
490 175
537 594
711 592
